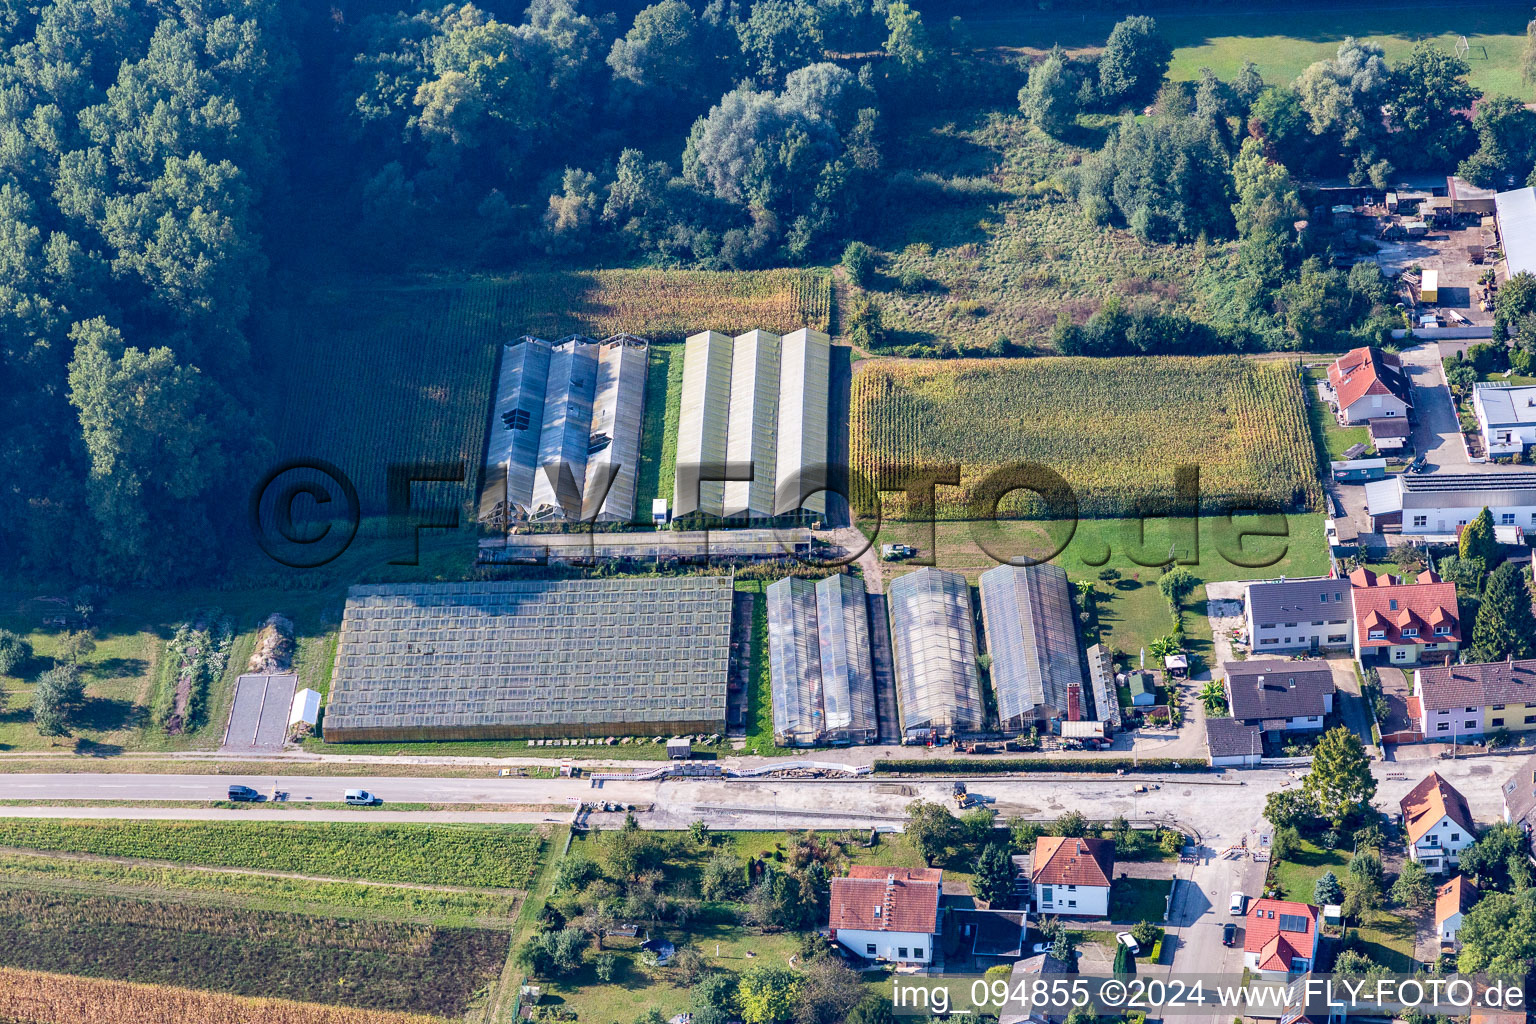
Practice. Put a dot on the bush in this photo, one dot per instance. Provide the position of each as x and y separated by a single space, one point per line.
912 280
858 263
15 652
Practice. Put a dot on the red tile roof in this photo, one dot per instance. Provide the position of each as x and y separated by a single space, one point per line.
1276 948
1065 861
1392 609
1367 371
887 900
1443 687
1432 799
1360 576
1454 897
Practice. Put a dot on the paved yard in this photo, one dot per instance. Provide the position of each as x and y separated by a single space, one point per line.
1436 431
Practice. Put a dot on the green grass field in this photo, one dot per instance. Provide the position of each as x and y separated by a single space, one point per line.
1387 937
1284 41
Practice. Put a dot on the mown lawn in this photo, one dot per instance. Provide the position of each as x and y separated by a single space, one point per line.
1385 937
1138 899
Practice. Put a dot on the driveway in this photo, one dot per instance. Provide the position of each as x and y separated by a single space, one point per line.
1436 431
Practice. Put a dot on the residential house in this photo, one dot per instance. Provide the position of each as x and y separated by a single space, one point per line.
1437 822
1017 1009
1506 417
1281 938
1310 614
1520 797
1452 900
1460 702
1233 744
1432 507
1071 877
1279 696
1369 384
891 914
1403 624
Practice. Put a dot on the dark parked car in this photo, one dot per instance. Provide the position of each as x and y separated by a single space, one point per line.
243 793
1228 934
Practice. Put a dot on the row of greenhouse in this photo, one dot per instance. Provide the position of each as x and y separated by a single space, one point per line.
823 679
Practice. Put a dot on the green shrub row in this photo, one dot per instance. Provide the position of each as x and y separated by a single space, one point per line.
1064 766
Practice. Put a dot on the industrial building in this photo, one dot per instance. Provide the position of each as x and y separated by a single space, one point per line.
933 640
822 675
1037 666
532 658
757 400
564 440
1516 212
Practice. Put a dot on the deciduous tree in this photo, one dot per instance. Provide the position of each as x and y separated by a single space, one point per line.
1340 781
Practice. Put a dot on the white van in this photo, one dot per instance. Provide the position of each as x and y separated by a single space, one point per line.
360 796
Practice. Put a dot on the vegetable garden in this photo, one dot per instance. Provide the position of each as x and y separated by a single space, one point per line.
1115 429
490 856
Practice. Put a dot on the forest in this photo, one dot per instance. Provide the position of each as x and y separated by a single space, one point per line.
173 170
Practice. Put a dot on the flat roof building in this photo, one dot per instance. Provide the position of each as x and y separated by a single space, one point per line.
820 667
933 639
1032 639
532 658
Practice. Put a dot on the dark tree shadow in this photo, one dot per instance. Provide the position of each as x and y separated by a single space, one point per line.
117 668
106 714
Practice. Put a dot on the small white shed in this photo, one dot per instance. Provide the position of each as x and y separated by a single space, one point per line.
305 708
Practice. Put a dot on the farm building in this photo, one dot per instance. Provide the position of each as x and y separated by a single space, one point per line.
1467 198
1437 505
819 661
1101 674
532 658
933 639
564 440
1516 213
759 400
1037 669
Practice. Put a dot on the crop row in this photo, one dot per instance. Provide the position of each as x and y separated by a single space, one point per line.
351 962
665 304
37 997
487 856
274 890
1114 429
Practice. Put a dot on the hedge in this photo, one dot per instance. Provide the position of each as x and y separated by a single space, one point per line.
1077 766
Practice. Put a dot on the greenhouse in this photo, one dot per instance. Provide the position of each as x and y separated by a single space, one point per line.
933 639
1037 668
532 658
820 667
564 439
756 400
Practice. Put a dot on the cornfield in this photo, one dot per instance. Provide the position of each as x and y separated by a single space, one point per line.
384 965
1115 429
485 856
372 376
35 997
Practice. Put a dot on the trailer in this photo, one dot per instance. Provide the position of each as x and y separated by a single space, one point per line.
1429 288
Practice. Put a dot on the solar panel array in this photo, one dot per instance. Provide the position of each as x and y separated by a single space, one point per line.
1293 923
535 658
1032 638
933 637
820 667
